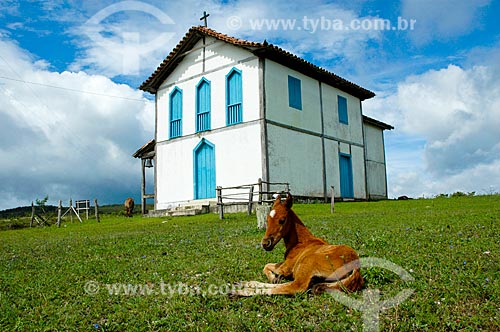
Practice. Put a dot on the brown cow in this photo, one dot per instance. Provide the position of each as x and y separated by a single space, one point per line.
129 207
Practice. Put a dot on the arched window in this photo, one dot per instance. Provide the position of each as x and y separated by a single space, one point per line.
175 129
234 97
203 105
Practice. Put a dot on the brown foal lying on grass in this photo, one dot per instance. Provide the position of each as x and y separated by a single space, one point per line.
310 262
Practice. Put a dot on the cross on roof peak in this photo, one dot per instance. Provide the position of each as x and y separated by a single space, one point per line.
204 18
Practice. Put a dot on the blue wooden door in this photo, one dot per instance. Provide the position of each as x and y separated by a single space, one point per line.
346 183
204 170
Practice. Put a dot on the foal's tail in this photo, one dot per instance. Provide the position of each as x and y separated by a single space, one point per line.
350 283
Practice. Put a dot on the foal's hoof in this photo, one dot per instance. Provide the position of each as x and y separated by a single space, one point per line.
277 280
318 289
238 289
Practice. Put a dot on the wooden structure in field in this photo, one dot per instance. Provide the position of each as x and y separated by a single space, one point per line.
147 154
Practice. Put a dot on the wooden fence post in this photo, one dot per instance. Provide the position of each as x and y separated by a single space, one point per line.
59 208
71 212
32 214
219 203
332 205
259 182
96 206
250 201
143 187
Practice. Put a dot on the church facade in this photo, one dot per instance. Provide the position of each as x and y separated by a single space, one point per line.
231 111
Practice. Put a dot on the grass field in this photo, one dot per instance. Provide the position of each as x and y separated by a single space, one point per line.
171 273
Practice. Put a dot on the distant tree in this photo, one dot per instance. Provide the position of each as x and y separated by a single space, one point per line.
42 202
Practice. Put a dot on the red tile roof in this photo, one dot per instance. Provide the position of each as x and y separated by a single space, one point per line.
264 50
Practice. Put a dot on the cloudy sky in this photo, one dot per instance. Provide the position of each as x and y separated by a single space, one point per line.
71 114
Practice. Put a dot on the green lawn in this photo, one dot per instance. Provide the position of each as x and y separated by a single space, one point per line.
60 279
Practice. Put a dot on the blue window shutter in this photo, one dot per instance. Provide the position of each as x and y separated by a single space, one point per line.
294 93
175 125
342 107
234 97
203 105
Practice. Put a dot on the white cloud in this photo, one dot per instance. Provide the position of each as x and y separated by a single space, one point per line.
128 45
456 112
63 142
442 20
53 141
304 28
128 38
116 41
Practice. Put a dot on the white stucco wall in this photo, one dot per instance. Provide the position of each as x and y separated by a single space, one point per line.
358 171
332 166
374 143
352 132
237 161
277 107
375 162
295 157
332 151
237 148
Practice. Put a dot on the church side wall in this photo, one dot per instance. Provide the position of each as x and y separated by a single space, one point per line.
295 158
296 137
375 162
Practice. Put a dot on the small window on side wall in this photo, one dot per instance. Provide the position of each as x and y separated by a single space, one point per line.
294 93
342 107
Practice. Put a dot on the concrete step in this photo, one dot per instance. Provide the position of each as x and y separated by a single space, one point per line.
182 210
187 211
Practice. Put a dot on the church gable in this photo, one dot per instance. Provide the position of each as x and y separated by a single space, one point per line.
261 50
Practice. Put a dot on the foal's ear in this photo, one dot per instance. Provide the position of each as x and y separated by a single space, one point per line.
277 200
289 201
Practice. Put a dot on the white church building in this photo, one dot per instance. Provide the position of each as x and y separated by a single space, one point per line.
231 111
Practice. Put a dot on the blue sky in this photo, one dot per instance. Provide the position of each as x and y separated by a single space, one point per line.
71 114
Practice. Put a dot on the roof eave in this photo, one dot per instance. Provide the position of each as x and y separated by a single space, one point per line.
292 61
265 50
152 84
148 148
377 123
